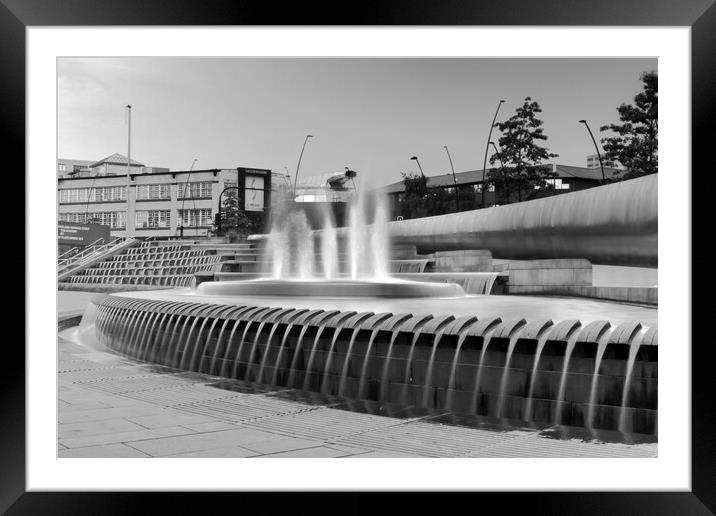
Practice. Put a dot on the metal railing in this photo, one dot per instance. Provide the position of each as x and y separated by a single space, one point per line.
90 252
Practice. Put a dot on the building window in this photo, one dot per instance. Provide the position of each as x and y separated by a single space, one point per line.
195 190
477 188
108 194
61 167
195 218
557 184
153 192
113 219
98 194
152 219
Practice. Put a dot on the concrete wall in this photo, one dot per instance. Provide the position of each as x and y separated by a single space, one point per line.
463 261
546 273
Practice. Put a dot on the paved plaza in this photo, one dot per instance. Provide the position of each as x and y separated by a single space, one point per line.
110 406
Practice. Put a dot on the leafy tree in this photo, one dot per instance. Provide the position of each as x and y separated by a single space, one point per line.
636 143
520 152
235 220
414 201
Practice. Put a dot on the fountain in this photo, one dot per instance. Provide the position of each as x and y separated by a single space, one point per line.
330 318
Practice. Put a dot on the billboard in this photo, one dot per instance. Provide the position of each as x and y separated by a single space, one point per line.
80 234
254 193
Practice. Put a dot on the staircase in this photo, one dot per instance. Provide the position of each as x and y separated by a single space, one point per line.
71 264
161 263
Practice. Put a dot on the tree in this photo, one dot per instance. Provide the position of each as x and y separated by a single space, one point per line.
414 202
235 220
521 155
636 143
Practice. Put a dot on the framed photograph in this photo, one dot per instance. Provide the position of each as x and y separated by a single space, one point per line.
358 246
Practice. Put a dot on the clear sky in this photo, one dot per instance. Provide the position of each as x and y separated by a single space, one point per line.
371 115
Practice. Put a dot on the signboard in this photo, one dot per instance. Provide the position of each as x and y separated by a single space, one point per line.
80 234
254 193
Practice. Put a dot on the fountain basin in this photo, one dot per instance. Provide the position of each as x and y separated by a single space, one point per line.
330 288
459 358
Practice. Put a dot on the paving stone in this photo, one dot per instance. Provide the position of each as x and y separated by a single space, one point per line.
86 428
108 451
194 442
313 453
276 445
215 453
384 455
106 413
171 418
348 450
210 427
124 437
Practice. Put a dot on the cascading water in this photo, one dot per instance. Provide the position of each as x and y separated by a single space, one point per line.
601 347
624 426
294 254
571 343
329 249
505 376
380 242
285 347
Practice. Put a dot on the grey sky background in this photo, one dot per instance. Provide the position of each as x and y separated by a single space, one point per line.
371 115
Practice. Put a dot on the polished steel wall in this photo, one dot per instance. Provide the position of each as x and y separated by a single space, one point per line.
613 224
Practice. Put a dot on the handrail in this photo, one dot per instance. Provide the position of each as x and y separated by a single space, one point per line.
77 251
91 251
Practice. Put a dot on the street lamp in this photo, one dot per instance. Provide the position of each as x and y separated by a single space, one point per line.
415 158
183 198
128 227
487 149
454 179
295 181
601 165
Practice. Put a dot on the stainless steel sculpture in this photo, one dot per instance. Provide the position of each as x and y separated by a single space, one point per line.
613 224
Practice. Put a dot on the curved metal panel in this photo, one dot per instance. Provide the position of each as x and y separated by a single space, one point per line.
612 224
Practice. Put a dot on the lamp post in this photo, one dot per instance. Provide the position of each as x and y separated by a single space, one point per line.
183 198
599 155
487 149
127 218
415 158
295 181
502 167
454 179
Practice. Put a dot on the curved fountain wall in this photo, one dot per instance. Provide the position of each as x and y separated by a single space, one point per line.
613 224
592 375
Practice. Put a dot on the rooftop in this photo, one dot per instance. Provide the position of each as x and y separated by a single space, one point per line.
116 159
475 176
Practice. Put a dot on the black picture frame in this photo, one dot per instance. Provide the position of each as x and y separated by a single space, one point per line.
700 15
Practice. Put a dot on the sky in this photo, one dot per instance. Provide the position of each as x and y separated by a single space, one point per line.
368 114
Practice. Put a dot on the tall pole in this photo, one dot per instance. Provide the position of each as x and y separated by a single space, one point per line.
487 149
295 181
454 179
183 198
502 167
127 218
415 158
599 155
